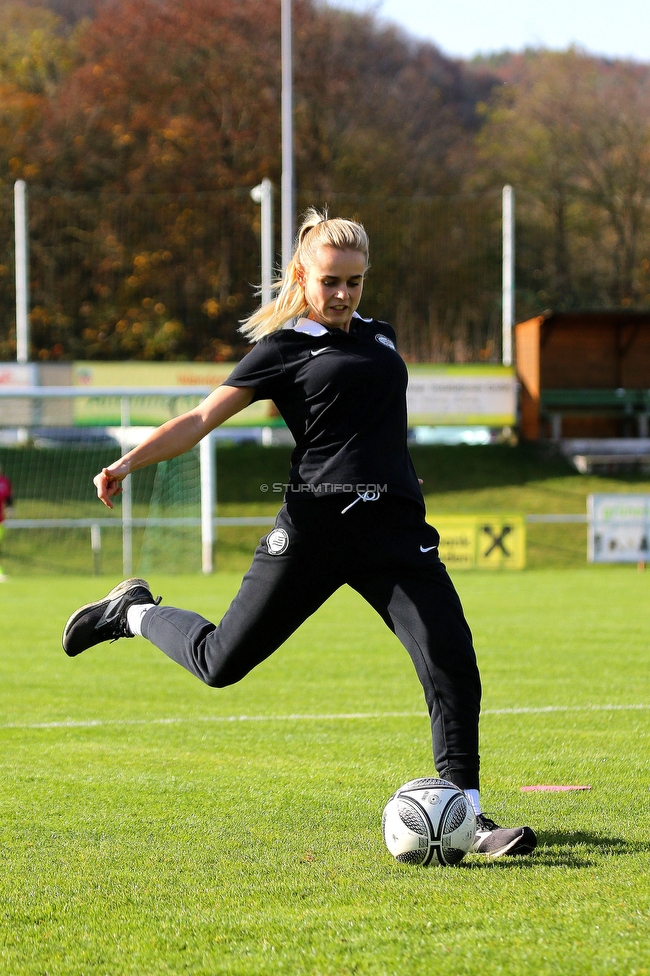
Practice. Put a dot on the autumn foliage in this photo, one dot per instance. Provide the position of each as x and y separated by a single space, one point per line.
141 127
574 132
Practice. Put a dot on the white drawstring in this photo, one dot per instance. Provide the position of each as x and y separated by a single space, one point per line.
362 496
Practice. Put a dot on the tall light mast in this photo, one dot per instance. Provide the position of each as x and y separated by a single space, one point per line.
288 207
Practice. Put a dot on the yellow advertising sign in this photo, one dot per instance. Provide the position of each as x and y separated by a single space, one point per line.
457 547
151 411
481 541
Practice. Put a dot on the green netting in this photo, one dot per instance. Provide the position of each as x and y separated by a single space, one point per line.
56 483
176 493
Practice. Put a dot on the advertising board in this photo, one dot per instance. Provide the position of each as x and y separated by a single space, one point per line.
438 394
482 394
619 528
21 412
481 541
151 411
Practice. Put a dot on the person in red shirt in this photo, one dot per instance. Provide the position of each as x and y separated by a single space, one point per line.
5 502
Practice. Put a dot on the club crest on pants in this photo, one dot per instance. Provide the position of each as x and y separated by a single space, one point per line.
277 541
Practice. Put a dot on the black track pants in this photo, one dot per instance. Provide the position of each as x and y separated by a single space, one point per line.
384 550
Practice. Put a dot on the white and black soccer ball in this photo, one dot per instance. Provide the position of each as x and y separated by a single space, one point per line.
428 821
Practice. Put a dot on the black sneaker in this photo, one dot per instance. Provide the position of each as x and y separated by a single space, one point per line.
495 841
105 619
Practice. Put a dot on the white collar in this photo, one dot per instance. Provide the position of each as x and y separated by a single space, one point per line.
313 328
310 327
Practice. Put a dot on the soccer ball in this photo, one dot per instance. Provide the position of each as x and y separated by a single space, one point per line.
428 821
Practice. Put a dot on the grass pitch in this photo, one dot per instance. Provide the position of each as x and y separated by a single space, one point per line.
150 825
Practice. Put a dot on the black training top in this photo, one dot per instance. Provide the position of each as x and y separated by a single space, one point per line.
343 397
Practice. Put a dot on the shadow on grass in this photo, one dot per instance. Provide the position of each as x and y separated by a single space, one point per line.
241 470
450 468
575 849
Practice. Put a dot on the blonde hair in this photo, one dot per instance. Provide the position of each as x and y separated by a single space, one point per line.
316 231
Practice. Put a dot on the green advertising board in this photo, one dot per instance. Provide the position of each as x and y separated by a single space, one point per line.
471 394
438 394
149 411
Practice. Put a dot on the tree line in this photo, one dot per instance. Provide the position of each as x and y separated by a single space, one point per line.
140 128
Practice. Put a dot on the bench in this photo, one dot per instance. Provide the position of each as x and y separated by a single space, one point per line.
556 404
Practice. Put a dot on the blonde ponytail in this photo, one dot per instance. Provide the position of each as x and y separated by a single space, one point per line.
316 231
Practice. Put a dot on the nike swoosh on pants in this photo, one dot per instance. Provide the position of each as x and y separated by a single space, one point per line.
422 549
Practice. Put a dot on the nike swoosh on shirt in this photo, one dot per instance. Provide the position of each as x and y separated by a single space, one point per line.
317 352
422 549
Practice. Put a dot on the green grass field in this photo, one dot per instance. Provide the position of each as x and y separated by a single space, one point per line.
150 825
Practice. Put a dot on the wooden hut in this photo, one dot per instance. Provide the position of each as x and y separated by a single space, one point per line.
584 374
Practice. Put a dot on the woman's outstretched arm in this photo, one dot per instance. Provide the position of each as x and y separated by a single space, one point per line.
174 438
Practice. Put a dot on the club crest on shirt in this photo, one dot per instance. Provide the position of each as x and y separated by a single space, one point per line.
385 341
277 542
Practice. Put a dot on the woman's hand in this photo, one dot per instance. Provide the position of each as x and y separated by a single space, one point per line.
109 481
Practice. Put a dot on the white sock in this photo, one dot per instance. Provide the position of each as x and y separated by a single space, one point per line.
472 795
134 617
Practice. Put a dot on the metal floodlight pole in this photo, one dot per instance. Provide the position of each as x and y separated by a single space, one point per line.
21 241
288 195
508 274
263 194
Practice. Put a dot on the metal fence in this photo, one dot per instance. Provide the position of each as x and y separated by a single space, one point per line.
171 276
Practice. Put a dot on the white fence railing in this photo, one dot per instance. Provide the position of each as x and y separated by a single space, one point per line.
97 525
